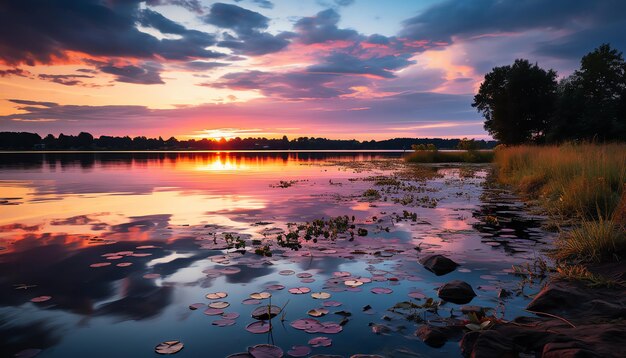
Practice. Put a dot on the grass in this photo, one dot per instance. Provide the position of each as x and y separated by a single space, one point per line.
580 183
461 156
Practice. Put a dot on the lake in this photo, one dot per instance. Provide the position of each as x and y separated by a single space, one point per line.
109 254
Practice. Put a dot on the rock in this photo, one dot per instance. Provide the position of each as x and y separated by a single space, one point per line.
438 264
571 349
487 344
432 336
438 336
456 291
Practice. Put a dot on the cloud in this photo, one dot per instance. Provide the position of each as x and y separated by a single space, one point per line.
322 28
191 5
291 85
106 29
342 63
266 4
66 80
15 72
248 26
444 21
147 73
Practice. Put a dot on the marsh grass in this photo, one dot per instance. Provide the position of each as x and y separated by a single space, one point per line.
580 183
460 156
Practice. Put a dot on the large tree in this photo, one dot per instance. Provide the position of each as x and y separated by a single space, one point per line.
592 101
517 101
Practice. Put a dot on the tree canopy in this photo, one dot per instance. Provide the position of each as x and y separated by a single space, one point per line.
523 102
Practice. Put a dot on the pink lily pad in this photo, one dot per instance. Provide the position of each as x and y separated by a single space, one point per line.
40 299
381 290
169 347
223 322
213 311
258 327
299 290
320 342
265 351
299 351
100 264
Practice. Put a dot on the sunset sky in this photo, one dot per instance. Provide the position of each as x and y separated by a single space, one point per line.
364 69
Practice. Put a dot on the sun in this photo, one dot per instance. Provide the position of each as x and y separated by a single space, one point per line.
217 134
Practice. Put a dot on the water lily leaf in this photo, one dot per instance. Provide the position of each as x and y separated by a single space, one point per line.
260 295
216 295
331 304
266 312
353 283
320 295
230 315
275 287
299 290
320 342
151 276
318 312
381 290
213 311
299 351
258 327
304 275
265 351
286 272
40 299
341 274
100 264
124 264
472 327
250 301
195 306
223 322
219 304
169 347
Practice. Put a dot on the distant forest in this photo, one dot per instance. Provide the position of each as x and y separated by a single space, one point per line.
86 141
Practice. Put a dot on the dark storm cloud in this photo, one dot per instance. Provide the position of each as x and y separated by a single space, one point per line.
292 85
248 26
33 103
203 66
465 19
343 63
39 31
579 43
322 28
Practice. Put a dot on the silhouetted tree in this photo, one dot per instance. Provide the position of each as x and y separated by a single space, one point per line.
517 101
592 101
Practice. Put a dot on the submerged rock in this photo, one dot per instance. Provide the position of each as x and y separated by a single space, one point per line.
456 291
438 264
438 336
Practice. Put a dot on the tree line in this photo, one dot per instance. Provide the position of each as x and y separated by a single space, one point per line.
524 103
86 141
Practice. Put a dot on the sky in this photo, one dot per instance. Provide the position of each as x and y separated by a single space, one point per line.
344 69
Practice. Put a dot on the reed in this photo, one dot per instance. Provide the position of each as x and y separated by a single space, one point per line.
459 156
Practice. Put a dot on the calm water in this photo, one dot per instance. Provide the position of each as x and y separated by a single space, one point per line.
158 223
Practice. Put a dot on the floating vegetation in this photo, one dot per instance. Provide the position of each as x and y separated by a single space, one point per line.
216 295
40 299
169 347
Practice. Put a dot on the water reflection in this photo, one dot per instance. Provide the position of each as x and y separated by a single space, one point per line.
124 242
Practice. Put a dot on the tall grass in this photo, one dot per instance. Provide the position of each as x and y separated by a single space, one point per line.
459 156
574 180
581 182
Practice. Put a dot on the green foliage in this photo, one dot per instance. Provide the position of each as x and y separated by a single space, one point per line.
437 156
517 101
468 144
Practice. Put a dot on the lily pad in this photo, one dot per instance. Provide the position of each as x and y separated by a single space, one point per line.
213 311
320 295
230 315
250 301
258 327
195 306
275 287
266 312
332 304
265 351
318 312
260 295
216 295
40 299
223 322
100 264
169 347
381 290
299 290
353 283
320 342
299 351
219 304
286 272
